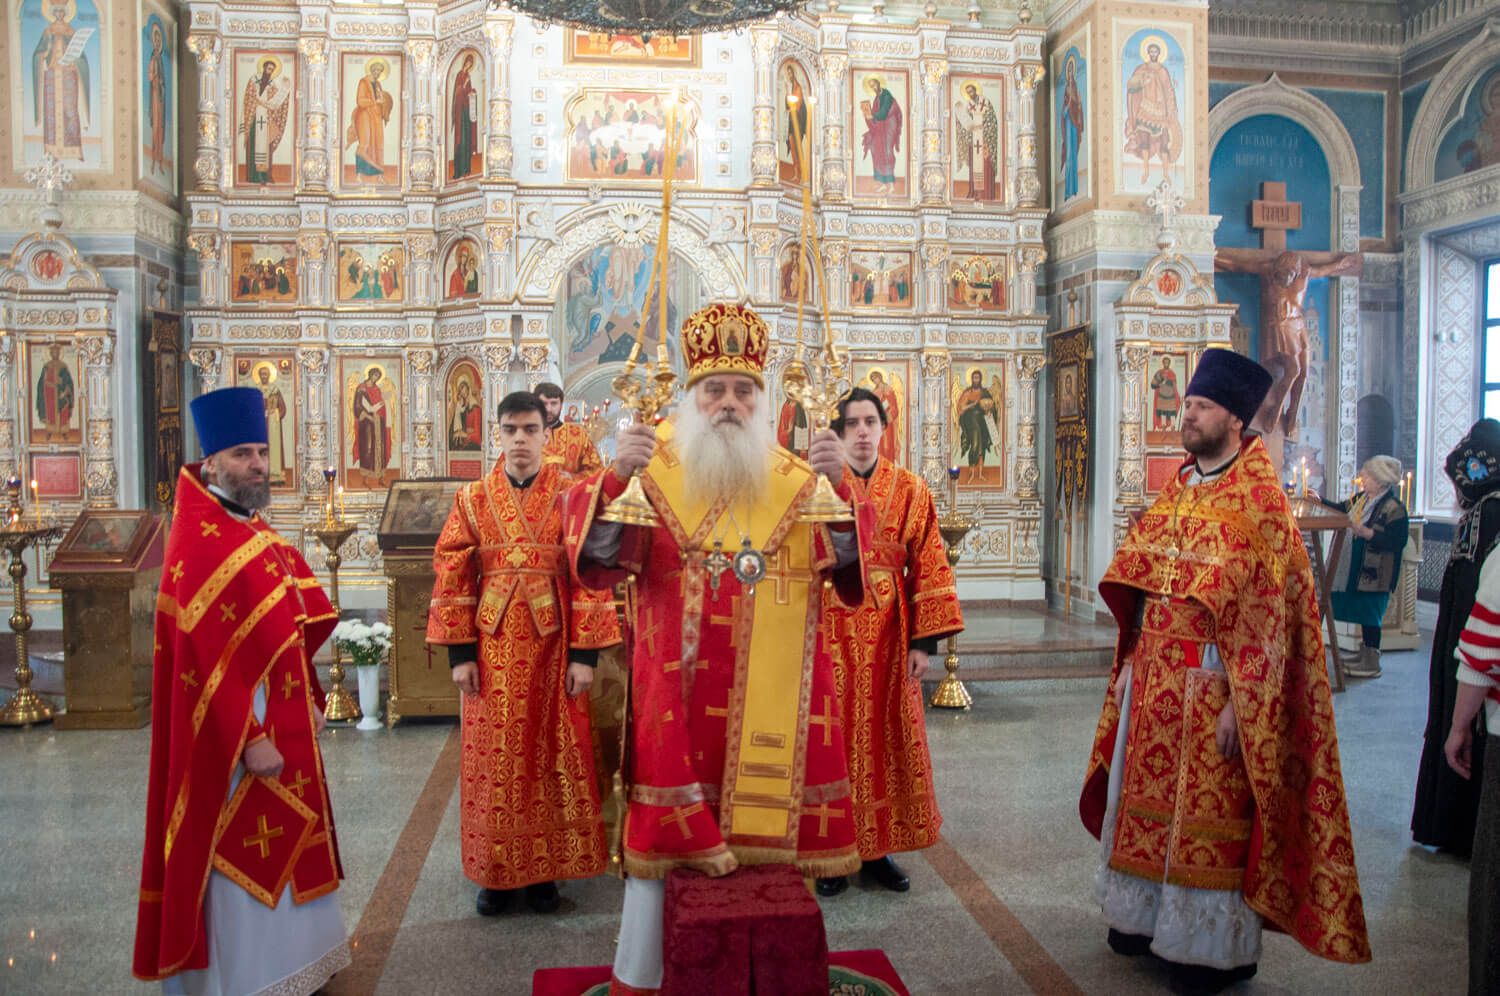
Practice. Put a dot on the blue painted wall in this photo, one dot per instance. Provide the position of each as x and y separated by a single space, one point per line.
1218 91
1363 115
1264 148
1411 101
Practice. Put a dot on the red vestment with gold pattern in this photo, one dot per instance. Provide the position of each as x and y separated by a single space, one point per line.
910 596
1222 562
238 609
529 801
736 751
570 447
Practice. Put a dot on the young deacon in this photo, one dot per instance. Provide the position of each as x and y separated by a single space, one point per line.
568 443
522 642
881 652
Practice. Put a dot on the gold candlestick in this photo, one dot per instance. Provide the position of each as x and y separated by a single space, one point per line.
954 526
653 390
339 705
25 707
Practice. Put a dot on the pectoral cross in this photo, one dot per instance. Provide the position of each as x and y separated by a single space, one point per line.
263 838
716 563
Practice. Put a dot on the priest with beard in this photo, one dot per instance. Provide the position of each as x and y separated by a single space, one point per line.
1214 783
736 749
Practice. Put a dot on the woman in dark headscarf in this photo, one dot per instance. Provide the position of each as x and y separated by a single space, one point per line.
1443 816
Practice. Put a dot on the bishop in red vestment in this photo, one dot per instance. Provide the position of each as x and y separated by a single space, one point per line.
881 651
736 749
513 621
240 861
1214 783
568 443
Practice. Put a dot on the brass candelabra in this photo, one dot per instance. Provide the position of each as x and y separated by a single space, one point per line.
954 526
654 389
25 708
339 705
817 388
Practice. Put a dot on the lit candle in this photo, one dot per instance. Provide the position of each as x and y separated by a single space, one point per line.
329 475
341 503
953 488
36 504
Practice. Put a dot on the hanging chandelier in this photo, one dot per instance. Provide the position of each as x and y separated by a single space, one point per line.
652 17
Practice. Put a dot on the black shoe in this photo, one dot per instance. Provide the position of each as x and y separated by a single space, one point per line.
492 902
1129 945
1201 980
887 873
543 898
832 886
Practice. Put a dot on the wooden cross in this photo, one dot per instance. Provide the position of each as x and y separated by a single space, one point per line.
263 837
823 812
828 720
300 783
1273 215
716 563
189 678
287 684
679 815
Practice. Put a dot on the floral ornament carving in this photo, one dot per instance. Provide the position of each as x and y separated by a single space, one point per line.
499 235
496 356
534 357
315 50
421 52
206 245
421 246
205 49
421 360
1029 77
313 361
835 65
314 247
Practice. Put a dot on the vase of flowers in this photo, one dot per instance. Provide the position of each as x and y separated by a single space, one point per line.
366 645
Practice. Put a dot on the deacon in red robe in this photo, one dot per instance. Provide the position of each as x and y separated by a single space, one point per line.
881 651
568 443
736 748
523 641
1214 782
240 861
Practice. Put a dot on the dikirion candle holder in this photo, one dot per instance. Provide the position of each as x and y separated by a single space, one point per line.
954 526
26 707
339 706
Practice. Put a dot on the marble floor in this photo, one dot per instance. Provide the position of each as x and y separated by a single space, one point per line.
1002 905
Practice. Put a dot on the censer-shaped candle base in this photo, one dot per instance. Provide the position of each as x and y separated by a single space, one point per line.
632 507
825 505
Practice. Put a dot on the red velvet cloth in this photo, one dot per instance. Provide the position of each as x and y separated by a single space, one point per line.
758 930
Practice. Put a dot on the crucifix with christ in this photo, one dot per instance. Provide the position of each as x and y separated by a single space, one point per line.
1283 277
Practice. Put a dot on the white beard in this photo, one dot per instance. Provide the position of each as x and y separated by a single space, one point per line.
724 459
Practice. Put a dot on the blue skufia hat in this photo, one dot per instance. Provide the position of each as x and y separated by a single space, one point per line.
230 416
1229 379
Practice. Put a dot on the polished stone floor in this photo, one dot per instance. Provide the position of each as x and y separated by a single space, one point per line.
1003 904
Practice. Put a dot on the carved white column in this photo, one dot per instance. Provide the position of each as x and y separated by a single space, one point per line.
765 284
534 358
315 154
934 175
209 165
1028 368
423 161
1028 260
497 360
934 286
420 255
499 239
1028 187
9 458
100 479
831 111
314 251
1347 353
499 156
1130 478
206 359
315 404
835 272
421 362
206 245
936 376
763 40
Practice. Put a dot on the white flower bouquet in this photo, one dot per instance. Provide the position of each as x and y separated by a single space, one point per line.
366 644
